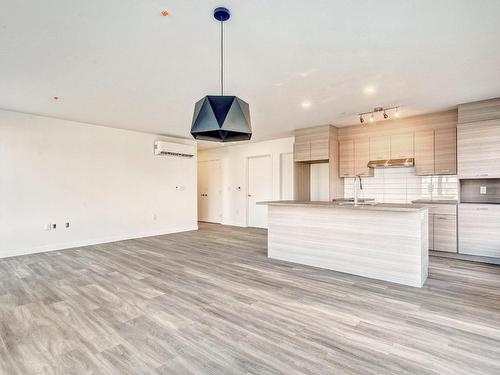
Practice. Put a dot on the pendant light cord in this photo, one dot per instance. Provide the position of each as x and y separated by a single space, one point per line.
222 58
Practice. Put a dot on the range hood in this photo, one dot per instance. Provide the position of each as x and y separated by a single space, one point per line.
391 163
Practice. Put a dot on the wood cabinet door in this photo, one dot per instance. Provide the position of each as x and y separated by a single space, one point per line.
431 232
479 229
445 151
346 158
362 157
320 150
479 149
402 146
380 148
445 233
424 153
302 151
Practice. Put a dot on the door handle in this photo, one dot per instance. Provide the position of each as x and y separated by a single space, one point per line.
249 195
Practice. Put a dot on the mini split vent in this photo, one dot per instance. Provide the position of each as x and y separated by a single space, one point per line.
174 149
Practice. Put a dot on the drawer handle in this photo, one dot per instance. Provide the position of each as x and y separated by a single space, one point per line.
482 175
445 170
482 209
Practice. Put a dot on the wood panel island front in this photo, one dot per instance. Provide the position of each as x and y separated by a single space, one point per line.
381 241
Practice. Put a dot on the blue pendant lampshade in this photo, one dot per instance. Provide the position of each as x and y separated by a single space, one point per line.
221 118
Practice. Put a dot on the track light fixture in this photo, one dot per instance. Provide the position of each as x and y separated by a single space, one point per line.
376 110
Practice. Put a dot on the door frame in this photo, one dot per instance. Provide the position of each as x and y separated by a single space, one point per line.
221 179
270 156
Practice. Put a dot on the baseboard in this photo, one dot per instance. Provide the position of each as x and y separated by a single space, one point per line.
234 224
471 258
95 241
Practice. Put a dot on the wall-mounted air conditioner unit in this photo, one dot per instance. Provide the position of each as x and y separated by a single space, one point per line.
174 149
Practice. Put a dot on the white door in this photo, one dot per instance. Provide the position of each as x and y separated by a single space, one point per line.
209 191
260 188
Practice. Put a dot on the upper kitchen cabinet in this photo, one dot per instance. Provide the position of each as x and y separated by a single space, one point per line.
302 151
445 151
424 153
362 157
479 149
402 146
354 156
436 152
312 144
380 148
346 158
483 110
479 139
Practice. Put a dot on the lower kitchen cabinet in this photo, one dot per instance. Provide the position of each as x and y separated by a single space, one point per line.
479 229
445 233
443 227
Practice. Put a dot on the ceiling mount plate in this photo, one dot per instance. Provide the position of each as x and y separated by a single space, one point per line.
221 14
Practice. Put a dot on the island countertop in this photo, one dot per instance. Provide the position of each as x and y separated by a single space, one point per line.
394 207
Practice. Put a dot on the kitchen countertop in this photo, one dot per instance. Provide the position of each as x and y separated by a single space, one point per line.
435 201
394 207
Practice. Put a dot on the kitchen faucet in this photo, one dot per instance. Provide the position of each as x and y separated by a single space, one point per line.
356 188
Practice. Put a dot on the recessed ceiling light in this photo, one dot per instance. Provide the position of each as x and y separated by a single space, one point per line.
306 104
369 90
164 13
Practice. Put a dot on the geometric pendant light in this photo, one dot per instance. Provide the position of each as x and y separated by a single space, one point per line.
221 118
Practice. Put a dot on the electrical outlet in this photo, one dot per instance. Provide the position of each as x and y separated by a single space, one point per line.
155 217
48 226
482 190
67 225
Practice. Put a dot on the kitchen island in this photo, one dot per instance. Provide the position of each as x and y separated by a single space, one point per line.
381 241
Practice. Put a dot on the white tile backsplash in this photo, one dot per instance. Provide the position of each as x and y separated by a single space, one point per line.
401 185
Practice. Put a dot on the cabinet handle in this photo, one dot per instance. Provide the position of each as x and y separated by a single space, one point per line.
482 175
481 209
444 170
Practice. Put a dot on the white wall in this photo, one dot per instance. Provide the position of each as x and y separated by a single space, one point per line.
235 172
401 185
106 182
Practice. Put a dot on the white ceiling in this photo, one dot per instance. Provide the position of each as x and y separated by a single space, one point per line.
119 63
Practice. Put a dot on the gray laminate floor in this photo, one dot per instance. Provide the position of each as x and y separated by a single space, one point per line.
210 302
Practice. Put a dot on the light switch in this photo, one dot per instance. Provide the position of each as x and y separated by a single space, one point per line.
482 190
